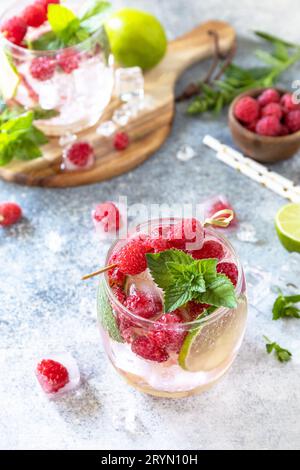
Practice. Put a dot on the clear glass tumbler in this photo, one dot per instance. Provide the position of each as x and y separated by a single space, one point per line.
79 86
209 344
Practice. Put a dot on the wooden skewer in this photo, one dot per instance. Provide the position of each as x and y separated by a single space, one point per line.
219 219
100 271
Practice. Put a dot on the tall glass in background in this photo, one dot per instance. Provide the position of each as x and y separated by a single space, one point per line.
80 94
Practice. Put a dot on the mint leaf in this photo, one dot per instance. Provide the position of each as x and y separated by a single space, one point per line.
19 138
208 267
46 42
93 8
19 124
176 296
283 355
93 17
6 153
157 265
63 21
219 293
27 150
106 315
183 278
285 306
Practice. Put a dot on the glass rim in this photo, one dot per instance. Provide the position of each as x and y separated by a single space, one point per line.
219 312
20 51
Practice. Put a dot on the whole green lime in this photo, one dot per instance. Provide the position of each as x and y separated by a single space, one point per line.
136 38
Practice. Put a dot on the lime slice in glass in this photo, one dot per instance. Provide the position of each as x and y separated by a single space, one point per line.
287 223
215 343
9 78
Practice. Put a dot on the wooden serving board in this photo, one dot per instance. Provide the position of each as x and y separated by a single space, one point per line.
147 131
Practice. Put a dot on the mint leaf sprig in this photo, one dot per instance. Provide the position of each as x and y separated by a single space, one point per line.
286 307
233 80
182 279
19 138
283 355
68 30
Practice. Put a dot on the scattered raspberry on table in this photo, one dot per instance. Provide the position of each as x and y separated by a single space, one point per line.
51 375
10 213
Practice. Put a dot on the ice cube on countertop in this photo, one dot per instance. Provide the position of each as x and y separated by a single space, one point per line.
70 363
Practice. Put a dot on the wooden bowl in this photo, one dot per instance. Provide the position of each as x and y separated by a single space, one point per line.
262 148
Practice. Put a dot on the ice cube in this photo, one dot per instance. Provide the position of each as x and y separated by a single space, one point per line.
49 95
68 165
185 153
258 284
144 283
69 362
121 117
106 129
67 139
133 107
247 233
129 83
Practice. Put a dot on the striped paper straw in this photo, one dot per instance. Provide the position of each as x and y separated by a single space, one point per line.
254 170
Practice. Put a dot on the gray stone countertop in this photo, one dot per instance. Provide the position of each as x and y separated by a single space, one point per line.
44 306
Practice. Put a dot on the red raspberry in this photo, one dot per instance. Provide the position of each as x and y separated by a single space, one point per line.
14 30
167 333
284 130
195 309
42 68
184 232
10 213
121 141
52 375
292 121
115 276
268 126
210 249
108 215
79 153
68 61
156 245
126 327
119 293
143 305
230 270
148 349
246 110
252 126
268 96
272 109
35 15
131 258
288 104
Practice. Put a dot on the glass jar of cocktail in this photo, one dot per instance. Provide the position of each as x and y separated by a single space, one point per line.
74 81
160 310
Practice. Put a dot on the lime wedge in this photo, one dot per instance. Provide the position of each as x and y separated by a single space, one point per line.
106 315
9 78
287 223
215 343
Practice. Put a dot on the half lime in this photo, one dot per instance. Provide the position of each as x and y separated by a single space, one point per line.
287 223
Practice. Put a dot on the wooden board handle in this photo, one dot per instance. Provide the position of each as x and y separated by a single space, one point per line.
192 47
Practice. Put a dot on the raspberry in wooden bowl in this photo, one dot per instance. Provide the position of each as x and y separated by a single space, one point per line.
265 124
